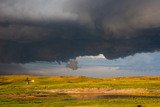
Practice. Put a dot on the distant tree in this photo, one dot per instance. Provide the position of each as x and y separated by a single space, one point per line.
72 64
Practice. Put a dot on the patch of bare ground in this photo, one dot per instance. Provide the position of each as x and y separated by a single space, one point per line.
103 92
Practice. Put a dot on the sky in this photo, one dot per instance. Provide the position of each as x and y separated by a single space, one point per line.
142 64
46 31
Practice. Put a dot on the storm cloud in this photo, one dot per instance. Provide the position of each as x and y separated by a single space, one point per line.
12 69
57 30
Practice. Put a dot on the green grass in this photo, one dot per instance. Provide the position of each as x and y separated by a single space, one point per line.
15 92
114 102
117 102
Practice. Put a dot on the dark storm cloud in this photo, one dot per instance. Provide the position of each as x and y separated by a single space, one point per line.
9 69
49 30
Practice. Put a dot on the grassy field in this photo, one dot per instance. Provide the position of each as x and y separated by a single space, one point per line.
79 91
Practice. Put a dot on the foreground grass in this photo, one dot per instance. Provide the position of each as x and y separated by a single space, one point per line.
15 92
116 102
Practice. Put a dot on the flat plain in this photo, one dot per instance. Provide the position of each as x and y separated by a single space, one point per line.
79 91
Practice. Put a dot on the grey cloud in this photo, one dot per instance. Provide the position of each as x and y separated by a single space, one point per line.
110 16
15 69
53 30
34 10
121 17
